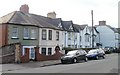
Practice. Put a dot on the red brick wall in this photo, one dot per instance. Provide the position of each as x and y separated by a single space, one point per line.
42 57
24 8
25 58
3 35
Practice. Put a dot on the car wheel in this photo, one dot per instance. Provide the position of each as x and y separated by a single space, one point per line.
74 60
62 62
86 59
97 57
103 57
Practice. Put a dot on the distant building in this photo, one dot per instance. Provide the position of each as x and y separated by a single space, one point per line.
108 35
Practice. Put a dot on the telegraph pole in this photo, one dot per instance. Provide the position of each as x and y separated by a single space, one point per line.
92 30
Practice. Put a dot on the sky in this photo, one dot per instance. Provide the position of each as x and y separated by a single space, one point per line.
79 11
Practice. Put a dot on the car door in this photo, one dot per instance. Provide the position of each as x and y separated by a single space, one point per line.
98 53
101 53
78 55
84 54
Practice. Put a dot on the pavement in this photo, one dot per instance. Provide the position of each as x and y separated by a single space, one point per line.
31 64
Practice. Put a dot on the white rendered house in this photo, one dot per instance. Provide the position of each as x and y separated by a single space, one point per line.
107 35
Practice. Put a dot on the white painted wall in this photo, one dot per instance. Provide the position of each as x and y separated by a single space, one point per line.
107 36
83 42
50 43
117 40
96 38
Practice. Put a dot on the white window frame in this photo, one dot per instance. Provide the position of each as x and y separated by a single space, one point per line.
23 50
26 33
57 35
33 33
87 38
69 36
48 51
50 34
15 32
45 50
44 36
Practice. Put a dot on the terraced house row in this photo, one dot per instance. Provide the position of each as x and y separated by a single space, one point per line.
49 32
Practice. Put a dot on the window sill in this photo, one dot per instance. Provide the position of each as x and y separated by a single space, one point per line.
14 38
29 39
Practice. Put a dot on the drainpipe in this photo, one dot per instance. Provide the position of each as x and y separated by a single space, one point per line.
65 39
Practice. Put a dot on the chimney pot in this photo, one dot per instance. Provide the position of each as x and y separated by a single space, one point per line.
51 15
24 8
102 22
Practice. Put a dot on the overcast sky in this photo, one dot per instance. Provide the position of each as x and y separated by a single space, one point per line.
79 11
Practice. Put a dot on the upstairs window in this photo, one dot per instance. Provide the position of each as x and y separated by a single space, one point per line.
80 38
26 33
87 38
44 33
33 33
50 35
15 32
75 36
69 36
57 35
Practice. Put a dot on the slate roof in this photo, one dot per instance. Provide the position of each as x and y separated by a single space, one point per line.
114 29
79 27
6 18
56 22
21 18
82 27
118 30
66 25
90 28
76 27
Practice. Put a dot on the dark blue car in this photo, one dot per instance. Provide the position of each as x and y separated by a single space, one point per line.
96 54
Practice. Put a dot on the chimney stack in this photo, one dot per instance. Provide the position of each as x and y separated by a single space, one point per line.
51 15
102 22
24 8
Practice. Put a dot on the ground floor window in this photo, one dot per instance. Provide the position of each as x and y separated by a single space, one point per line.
80 46
69 45
43 51
49 51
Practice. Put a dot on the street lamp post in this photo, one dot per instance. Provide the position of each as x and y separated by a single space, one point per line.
92 30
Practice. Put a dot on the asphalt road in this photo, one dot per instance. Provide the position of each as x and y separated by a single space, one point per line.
107 65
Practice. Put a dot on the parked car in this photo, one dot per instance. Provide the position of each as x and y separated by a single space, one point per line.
116 50
96 54
107 50
74 56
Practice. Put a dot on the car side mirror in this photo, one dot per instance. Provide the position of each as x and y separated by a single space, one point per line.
77 53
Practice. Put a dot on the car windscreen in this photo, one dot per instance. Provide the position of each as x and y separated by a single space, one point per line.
71 53
92 51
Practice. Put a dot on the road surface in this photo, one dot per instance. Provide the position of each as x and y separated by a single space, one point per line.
107 65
